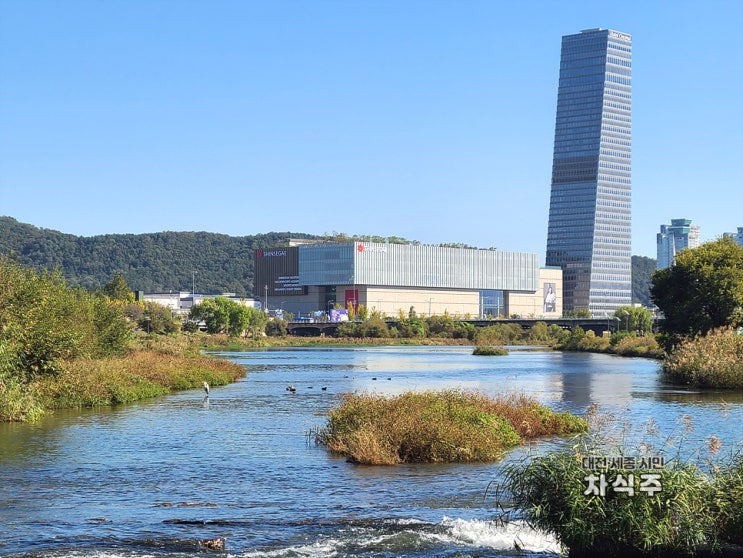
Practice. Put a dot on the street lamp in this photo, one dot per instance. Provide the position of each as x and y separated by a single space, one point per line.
193 288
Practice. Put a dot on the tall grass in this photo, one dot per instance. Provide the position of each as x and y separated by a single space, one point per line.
143 374
550 490
697 510
714 360
443 426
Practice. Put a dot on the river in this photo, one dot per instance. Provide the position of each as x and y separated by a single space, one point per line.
157 477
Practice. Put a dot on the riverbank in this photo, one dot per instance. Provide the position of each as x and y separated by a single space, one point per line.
153 367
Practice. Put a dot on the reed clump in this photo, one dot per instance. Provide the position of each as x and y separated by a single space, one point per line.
440 426
142 374
551 491
714 360
607 498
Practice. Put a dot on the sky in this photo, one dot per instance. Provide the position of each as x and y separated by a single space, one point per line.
428 120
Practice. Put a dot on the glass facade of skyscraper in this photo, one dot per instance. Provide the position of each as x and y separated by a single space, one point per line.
589 232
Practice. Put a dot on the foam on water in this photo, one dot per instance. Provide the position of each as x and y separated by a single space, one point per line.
384 538
416 538
513 535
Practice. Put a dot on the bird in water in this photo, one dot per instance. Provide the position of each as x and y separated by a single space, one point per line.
206 388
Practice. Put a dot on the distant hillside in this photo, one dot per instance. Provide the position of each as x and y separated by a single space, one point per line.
642 272
153 262
157 262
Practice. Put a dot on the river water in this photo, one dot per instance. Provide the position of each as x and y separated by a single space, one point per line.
158 477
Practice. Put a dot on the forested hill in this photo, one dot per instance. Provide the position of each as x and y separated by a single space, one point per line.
156 262
642 273
164 261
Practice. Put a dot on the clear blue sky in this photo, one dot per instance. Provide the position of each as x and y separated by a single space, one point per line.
431 120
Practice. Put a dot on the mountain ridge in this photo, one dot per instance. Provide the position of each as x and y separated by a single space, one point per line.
164 261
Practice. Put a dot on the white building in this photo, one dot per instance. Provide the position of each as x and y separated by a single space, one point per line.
180 302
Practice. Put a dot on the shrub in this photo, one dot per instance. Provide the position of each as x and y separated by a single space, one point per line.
375 326
276 328
645 346
499 334
617 336
445 426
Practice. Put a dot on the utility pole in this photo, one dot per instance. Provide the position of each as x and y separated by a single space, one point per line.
193 288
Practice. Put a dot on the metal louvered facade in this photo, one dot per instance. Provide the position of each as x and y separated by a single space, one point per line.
405 265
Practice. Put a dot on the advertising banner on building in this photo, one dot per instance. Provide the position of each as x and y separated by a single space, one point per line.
277 272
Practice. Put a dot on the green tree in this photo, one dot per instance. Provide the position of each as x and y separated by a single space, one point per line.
117 289
214 315
156 318
222 315
43 322
702 291
411 325
635 319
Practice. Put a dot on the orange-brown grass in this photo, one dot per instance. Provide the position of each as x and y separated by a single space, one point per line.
442 426
142 374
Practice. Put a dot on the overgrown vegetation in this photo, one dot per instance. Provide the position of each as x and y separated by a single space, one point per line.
696 509
714 360
443 426
63 347
620 343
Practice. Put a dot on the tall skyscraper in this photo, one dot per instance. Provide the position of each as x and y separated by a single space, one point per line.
589 233
673 238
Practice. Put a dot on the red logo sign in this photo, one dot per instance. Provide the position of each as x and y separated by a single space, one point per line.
360 248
